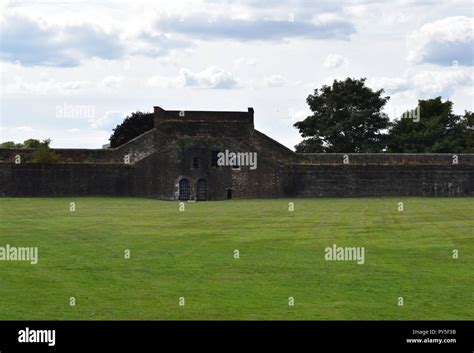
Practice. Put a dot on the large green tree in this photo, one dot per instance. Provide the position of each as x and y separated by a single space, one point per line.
347 117
30 143
437 130
135 124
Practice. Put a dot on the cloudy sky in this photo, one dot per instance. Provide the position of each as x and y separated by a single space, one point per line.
72 70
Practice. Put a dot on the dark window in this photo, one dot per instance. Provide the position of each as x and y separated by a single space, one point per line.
229 194
201 190
195 162
184 190
214 158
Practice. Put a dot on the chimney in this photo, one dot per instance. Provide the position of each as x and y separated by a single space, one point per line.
250 113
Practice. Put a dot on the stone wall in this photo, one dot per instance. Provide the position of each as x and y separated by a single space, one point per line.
270 148
157 176
65 155
162 156
378 180
32 179
384 158
162 115
138 148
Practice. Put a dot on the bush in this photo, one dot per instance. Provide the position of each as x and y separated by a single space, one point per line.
44 154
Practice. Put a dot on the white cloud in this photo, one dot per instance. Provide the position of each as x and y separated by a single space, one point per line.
24 129
17 133
334 61
389 84
111 82
108 121
211 78
154 44
426 84
71 86
33 43
432 83
160 81
245 62
202 25
274 81
123 40
298 115
17 85
443 42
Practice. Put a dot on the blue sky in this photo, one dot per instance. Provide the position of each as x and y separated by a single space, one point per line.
72 70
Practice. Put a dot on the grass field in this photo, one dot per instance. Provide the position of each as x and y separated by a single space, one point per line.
190 254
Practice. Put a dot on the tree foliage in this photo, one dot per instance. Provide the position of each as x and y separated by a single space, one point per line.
10 144
33 143
437 131
30 143
347 117
134 125
468 128
44 154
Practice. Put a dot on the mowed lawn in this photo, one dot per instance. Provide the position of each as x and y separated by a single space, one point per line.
190 254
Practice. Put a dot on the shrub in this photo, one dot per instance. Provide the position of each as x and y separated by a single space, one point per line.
43 154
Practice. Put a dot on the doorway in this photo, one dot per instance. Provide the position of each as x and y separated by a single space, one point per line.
201 190
184 190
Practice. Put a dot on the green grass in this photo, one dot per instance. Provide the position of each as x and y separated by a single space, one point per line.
190 254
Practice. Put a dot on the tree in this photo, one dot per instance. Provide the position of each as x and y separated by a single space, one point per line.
10 144
437 130
134 125
310 145
468 128
30 143
43 154
347 117
33 143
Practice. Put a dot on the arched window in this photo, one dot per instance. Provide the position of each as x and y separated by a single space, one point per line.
201 190
184 190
